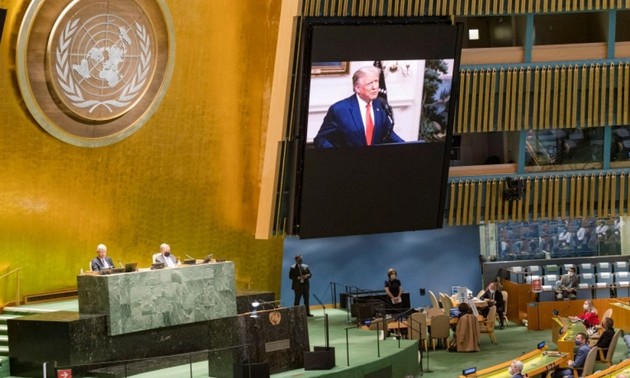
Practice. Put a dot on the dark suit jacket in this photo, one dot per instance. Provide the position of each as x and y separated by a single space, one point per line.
97 265
498 298
162 259
605 339
294 275
343 126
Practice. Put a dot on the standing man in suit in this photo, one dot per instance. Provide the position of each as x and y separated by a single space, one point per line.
494 298
166 258
300 274
101 261
360 119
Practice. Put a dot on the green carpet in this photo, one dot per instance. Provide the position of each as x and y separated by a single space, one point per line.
363 352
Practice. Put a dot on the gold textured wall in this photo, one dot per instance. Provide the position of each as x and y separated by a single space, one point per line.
189 176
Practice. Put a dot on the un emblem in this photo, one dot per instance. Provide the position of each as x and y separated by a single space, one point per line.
107 65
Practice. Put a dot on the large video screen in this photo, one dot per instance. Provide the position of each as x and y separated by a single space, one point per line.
375 107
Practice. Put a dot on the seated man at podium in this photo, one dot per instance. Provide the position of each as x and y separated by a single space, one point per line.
101 261
166 257
567 286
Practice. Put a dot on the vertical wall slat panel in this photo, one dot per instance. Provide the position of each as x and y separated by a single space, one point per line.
528 88
535 99
578 197
493 201
572 202
536 199
591 207
480 187
604 212
613 195
555 113
554 199
528 194
488 202
464 206
543 198
563 197
458 208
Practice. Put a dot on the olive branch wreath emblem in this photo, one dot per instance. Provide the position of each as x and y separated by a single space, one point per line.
73 91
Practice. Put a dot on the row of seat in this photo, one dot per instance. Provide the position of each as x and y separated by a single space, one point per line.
600 267
589 279
598 285
519 274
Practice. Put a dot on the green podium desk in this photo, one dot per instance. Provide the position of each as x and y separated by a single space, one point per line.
149 299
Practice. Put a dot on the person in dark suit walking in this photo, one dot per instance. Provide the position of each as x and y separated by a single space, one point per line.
359 120
300 274
101 261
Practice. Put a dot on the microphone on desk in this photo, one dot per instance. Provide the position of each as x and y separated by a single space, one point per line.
189 256
259 302
121 264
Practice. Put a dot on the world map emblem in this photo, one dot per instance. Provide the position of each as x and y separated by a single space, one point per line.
103 71
106 66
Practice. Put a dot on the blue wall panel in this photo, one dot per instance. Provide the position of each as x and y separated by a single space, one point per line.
434 259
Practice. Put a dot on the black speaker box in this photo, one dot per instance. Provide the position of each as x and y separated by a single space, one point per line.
321 358
251 370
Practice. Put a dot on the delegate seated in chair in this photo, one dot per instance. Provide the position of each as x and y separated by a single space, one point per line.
494 298
603 343
581 340
567 286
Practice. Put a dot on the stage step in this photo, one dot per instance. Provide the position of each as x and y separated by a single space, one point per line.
4 336
4 367
12 312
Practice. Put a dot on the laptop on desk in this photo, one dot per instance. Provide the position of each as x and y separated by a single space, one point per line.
131 267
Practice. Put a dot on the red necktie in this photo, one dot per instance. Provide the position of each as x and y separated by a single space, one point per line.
369 124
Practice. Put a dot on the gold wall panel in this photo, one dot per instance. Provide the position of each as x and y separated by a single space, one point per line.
189 177
555 101
544 197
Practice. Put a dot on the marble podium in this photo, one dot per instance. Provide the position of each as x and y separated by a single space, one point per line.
80 342
130 323
150 299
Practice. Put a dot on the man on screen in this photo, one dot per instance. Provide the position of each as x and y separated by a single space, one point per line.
358 120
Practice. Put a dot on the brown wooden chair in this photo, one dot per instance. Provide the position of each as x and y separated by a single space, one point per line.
505 306
487 325
440 329
446 303
418 328
434 301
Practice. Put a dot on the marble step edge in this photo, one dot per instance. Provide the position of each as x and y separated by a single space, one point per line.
26 310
